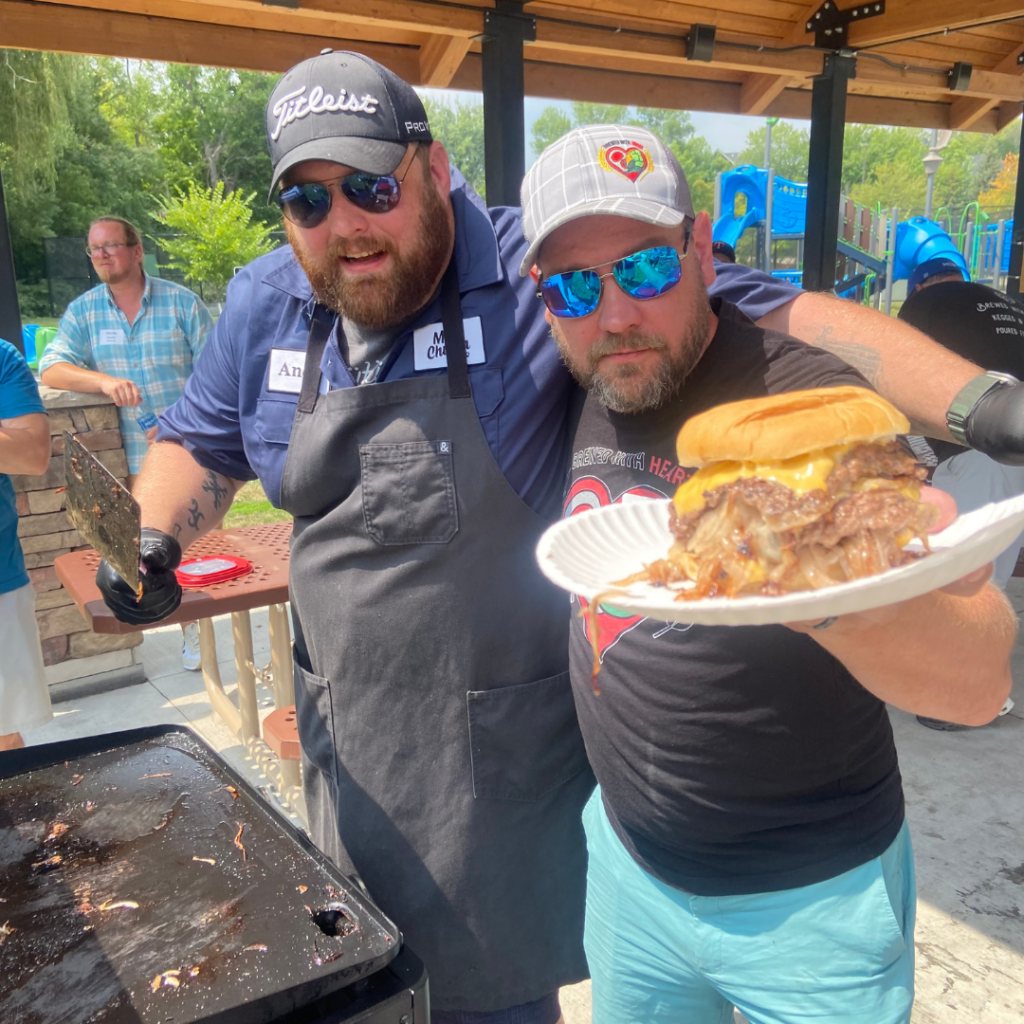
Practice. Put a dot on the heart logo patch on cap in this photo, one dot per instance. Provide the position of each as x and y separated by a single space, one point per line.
629 159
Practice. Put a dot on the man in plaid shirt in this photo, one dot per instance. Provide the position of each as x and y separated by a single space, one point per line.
133 338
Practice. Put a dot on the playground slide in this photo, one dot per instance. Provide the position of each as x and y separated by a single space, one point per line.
917 239
730 229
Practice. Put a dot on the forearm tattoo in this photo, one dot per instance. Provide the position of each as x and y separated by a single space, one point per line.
213 487
861 357
194 515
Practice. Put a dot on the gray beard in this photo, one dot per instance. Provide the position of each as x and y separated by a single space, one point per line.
653 392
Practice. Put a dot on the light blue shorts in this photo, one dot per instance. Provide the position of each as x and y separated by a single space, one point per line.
840 951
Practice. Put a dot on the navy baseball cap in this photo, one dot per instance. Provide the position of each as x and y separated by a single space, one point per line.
343 107
939 265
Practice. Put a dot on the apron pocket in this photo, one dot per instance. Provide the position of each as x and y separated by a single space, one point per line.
525 740
409 492
315 720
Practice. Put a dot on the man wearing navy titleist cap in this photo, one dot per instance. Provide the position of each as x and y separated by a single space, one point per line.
442 759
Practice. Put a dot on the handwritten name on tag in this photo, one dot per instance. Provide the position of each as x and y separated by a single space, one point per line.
286 370
428 345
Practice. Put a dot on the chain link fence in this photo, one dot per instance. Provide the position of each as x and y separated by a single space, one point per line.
69 271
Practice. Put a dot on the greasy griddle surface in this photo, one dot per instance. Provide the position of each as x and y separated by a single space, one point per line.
132 839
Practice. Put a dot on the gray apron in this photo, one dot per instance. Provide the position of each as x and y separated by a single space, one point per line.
443 760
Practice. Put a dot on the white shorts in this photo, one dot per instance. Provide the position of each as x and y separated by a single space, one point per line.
24 695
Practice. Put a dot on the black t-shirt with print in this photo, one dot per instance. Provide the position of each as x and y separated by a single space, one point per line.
731 759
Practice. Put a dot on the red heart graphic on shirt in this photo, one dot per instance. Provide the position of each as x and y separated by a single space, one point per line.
630 159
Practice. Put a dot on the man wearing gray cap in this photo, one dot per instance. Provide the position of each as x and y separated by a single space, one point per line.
442 760
747 842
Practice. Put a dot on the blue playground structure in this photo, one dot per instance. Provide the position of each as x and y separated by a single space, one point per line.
752 197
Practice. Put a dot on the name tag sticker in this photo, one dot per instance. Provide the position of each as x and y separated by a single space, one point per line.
112 336
428 345
286 370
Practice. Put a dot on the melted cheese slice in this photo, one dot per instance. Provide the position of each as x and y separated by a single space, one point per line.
801 474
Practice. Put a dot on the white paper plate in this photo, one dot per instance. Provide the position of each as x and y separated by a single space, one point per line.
586 553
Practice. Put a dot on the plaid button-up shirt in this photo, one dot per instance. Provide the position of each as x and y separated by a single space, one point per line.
156 352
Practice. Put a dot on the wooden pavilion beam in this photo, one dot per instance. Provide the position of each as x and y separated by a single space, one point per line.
569 65
760 90
34 26
445 32
381 19
963 113
440 57
904 19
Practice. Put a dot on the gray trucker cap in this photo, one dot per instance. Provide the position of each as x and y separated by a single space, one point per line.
602 168
343 107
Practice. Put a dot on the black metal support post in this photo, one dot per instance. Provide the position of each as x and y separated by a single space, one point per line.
10 316
1013 283
825 168
506 28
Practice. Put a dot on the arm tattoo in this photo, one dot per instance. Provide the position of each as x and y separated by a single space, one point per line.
213 486
861 357
194 515
177 530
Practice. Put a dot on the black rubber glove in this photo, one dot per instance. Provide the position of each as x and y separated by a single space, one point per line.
161 591
995 425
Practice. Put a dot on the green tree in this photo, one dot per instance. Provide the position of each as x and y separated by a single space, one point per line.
217 233
210 126
789 150
459 127
549 127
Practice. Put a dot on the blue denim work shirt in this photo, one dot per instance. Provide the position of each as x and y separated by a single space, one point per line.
237 421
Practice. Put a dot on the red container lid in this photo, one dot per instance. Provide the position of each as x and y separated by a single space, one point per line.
210 569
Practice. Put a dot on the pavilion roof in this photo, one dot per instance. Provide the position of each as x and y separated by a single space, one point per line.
609 51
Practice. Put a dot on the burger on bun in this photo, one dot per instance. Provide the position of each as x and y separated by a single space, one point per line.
793 492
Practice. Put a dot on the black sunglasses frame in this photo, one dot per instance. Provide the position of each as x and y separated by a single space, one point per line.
319 215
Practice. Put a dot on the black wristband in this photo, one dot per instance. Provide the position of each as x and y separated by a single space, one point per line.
995 426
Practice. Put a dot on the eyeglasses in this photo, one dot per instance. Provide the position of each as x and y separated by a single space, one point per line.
307 205
92 251
643 275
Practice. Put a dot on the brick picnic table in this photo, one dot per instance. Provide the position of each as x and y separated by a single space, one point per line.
266 547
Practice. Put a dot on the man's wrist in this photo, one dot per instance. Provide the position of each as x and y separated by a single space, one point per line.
967 398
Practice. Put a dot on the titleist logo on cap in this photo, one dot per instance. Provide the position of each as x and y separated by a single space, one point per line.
295 105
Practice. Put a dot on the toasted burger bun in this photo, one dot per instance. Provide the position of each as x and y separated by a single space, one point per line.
783 426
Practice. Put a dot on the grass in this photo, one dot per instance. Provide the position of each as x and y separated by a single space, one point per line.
251 507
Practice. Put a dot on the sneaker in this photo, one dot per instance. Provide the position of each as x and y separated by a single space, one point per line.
941 726
190 657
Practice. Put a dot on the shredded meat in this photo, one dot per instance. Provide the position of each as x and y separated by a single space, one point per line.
758 536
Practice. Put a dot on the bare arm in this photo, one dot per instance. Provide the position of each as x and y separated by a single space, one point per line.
25 444
940 655
915 373
178 496
68 377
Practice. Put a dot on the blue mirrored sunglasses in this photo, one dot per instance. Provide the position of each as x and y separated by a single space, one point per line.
643 275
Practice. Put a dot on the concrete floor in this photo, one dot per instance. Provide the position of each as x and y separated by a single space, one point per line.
965 800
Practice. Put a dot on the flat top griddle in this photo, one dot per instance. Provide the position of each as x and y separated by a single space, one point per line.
126 897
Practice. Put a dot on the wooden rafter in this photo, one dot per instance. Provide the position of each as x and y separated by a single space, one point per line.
965 112
440 57
905 19
760 90
759 64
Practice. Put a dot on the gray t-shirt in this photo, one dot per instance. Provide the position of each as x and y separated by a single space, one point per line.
365 350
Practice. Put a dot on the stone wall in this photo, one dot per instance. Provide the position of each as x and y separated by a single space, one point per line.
70 649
